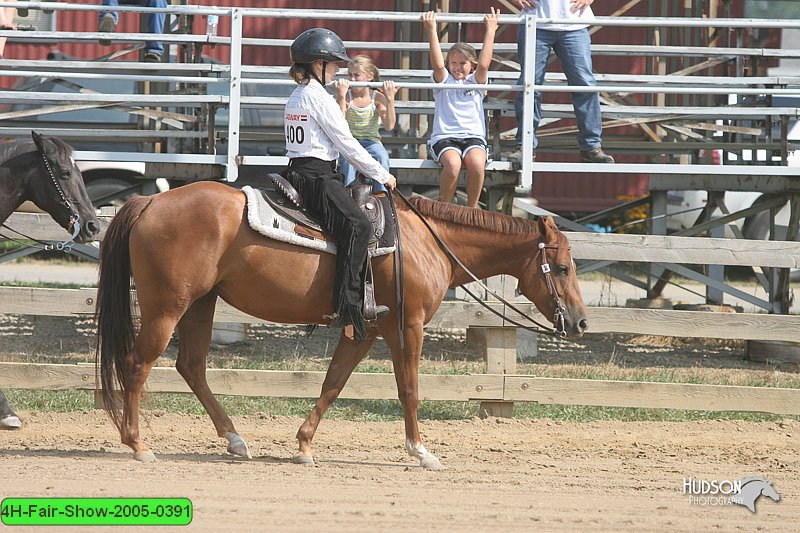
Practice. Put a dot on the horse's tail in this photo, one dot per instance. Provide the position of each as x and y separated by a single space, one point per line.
113 314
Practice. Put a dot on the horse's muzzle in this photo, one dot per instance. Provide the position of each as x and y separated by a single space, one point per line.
89 230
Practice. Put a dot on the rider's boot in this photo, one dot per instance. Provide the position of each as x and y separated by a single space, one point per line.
372 311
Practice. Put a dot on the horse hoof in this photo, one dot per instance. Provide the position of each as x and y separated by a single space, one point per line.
10 422
431 463
145 457
240 449
303 459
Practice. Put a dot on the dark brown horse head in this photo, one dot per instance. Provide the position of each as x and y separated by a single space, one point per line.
550 258
59 188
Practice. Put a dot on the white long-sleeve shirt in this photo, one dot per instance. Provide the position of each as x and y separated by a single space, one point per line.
314 126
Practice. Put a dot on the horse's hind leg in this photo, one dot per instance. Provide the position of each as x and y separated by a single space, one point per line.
346 357
194 331
151 342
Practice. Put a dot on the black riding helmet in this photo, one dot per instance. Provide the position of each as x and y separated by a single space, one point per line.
315 44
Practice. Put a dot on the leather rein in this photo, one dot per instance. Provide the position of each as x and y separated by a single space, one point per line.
559 312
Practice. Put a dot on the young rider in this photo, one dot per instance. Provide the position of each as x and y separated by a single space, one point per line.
316 133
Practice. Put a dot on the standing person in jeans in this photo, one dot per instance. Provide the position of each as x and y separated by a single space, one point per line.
107 22
572 45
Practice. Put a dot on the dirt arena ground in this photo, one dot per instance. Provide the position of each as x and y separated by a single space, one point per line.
511 475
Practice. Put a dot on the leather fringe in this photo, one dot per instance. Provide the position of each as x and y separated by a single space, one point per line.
348 286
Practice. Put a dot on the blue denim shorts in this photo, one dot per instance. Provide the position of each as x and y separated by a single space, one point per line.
461 145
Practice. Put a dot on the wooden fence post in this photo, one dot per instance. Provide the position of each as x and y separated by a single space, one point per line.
501 358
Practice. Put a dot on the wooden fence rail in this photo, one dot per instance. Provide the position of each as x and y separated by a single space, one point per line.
462 315
485 388
585 245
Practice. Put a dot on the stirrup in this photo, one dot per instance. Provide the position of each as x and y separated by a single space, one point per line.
371 310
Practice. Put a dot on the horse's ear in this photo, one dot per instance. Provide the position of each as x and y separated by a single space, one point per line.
549 229
38 140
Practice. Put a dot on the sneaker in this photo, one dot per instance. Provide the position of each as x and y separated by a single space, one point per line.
106 25
152 57
596 156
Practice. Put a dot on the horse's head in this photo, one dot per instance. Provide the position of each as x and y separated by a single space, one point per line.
549 280
769 491
61 191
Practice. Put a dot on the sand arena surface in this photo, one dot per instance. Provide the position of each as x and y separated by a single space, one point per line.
502 474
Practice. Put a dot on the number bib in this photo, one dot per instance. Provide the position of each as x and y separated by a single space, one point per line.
296 130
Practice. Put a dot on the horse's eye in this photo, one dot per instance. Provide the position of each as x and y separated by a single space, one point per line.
562 270
66 173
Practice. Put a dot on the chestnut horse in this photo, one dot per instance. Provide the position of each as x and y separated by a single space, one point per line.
188 246
44 173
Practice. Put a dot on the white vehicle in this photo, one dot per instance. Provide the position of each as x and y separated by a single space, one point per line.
683 207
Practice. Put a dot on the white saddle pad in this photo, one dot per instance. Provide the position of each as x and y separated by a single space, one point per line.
268 222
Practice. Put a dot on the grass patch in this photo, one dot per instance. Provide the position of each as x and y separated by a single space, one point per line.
373 410
44 284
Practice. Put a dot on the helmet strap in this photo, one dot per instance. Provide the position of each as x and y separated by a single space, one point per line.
314 74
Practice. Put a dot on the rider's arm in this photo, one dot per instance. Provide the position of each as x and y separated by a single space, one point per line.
332 122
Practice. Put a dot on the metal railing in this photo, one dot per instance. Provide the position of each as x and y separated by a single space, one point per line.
235 75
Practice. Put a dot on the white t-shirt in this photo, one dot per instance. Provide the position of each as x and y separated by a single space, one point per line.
559 9
314 126
458 112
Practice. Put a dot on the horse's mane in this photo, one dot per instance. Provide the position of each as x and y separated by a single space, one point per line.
476 218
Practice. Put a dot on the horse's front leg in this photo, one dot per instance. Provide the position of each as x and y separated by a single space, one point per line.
345 359
406 373
8 419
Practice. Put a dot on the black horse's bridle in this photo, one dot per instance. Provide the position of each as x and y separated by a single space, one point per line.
73 226
559 310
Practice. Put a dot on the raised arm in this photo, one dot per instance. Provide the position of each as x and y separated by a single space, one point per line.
485 59
437 59
341 86
385 105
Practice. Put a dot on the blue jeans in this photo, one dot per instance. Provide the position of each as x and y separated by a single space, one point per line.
573 48
376 150
155 21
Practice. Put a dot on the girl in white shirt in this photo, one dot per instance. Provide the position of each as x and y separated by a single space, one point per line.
459 129
316 133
